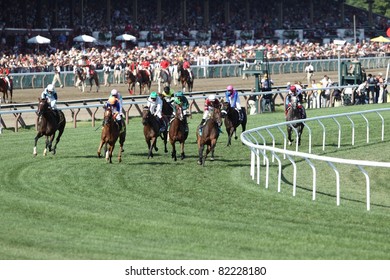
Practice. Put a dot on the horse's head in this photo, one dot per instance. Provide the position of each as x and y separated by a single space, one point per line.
225 109
107 115
294 102
179 112
43 106
146 115
217 115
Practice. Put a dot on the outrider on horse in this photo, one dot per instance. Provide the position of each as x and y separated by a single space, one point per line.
5 89
49 122
232 120
144 80
186 80
110 133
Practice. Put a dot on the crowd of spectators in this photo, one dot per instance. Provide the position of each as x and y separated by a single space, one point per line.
263 20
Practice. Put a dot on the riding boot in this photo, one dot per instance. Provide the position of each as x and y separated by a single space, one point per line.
240 116
185 124
119 123
162 125
201 126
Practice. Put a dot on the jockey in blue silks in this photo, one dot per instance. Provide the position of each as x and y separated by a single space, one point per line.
234 100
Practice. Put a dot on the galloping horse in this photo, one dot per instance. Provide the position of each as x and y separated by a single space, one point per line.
164 78
93 77
210 134
49 122
4 88
131 81
232 120
110 134
294 113
144 81
177 132
80 79
185 79
152 131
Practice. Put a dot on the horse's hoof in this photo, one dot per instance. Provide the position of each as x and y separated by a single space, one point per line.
211 159
289 143
199 162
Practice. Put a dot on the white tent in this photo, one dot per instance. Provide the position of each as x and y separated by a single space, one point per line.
84 39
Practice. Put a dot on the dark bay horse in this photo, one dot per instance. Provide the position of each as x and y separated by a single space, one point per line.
184 78
178 132
232 120
93 77
50 121
152 131
81 76
4 88
209 137
294 113
131 81
110 134
144 81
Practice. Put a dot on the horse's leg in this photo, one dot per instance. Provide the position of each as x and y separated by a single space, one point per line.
47 145
182 155
289 130
100 148
173 155
57 140
39 135
165 137
200 154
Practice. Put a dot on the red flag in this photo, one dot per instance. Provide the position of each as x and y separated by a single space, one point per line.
388 32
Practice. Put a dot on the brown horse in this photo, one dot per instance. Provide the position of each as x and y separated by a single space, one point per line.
185 79
209 135
49 122
4 88
152 131
131 81
110 134
178 132
232 120
143 78
81 76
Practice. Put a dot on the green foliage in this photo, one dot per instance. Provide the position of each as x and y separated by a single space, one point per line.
381 7
76 206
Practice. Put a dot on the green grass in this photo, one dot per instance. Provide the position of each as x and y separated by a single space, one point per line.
76 206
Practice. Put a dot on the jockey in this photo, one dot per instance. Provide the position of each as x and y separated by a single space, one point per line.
210 103
168 94
234 100
118 96
154 102
187 66
181 100
297 92
115 105
50 95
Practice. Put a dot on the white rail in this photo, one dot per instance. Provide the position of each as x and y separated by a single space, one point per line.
256 141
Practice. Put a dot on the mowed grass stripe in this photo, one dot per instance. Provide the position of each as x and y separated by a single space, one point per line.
75 206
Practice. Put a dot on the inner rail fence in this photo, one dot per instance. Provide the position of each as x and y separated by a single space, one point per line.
263 145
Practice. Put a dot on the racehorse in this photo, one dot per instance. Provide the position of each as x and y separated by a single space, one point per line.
167 109
294 113
209 135
177 132
110 134
144 81
152 131
232 120
131 81
4 88
93 77
49 122
80 79
185 79
164 78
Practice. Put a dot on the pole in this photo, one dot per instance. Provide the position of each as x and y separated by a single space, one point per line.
339 65
354 29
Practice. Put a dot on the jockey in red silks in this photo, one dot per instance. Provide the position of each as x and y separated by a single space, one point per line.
187 66
4 73
296 91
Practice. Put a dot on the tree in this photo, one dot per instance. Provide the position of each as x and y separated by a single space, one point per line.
381 7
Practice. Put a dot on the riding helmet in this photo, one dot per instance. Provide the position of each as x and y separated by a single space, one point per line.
229 88
50 87
179 94
293 89
212 97
114 92
167 89
153 94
